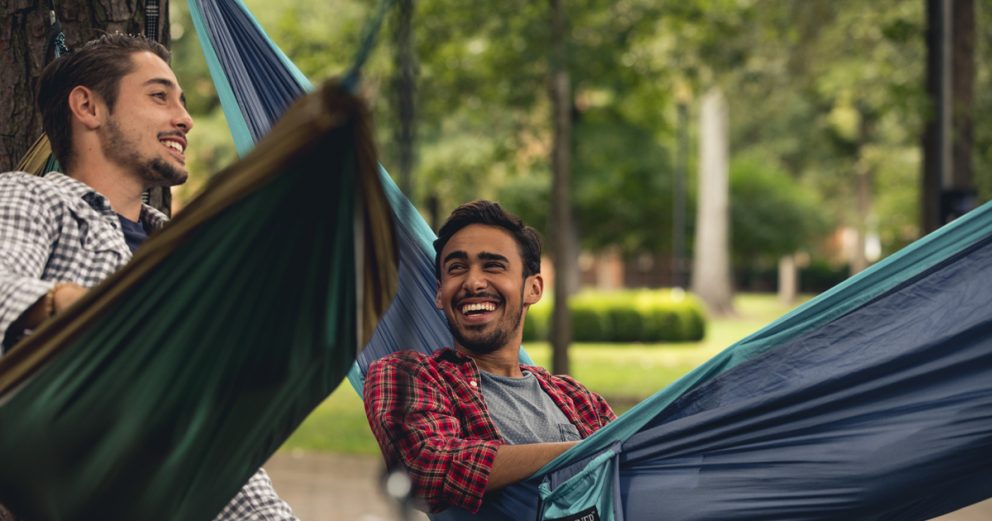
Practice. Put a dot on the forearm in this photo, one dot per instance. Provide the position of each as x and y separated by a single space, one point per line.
59 297
514 463
54 301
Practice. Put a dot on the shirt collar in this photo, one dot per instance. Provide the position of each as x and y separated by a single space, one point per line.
448 354
76 189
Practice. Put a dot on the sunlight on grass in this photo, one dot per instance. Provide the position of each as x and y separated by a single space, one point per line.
624 373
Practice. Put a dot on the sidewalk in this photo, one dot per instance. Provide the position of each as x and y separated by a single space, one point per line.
338 487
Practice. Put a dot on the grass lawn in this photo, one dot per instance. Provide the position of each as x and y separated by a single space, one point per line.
624 373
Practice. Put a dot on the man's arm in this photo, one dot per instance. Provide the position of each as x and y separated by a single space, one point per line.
417 427
27 230
515 463
56 300
26 234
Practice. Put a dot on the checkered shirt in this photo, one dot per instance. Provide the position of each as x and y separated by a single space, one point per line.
55 228
428 415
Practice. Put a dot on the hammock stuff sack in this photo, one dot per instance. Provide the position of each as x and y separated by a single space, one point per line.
871 401
170 383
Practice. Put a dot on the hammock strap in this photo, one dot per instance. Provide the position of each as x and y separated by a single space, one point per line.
151 19
56 38
369 34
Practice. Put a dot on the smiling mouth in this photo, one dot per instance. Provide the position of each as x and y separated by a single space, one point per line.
477 308
178 147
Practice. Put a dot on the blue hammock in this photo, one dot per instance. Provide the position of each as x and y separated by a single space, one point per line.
871 401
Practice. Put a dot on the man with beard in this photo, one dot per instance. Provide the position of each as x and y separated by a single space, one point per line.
468 421
117 121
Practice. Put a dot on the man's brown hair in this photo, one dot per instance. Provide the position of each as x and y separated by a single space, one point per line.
491 214
98 65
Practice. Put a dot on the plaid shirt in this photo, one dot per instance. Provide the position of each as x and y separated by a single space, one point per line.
428 414
55 228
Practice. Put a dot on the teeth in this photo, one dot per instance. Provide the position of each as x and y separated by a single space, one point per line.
175 145
481 306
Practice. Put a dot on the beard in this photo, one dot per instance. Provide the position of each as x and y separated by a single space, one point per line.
154 172
493 341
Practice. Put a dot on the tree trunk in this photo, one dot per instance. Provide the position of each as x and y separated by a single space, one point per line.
788 279
25 43
711 258
404 94
863 188
562 227
948 188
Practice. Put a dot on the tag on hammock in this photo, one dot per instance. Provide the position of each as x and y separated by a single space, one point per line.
589 514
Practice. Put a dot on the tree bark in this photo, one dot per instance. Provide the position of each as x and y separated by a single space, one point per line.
562 227
404 95
711 258
948 188
25 50
788 279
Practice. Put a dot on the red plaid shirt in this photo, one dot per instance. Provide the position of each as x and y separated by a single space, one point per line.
428 414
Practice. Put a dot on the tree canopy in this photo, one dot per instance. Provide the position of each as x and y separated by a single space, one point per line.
819 92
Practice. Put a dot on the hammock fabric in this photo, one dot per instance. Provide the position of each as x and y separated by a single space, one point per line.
871 401
175 379
254 81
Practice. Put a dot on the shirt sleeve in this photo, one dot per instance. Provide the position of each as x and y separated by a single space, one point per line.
26 233
257 501
592 408
416 427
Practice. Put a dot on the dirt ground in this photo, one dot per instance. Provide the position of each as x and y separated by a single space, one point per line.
336 487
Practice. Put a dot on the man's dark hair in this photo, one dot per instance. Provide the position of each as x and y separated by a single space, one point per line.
99 65
491 214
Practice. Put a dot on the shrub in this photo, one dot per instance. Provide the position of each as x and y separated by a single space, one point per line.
589 324
625 316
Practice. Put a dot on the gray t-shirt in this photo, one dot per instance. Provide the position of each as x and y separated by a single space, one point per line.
523 412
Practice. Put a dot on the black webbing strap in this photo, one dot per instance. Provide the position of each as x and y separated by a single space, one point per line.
56 38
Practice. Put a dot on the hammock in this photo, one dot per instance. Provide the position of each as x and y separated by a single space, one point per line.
255 81
871 401
174 380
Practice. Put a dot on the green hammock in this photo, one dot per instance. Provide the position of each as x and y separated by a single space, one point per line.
162 391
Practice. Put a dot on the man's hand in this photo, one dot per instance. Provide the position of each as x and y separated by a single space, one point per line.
514 463
63 295
66 294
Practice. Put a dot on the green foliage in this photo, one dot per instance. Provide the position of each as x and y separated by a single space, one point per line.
625 316
622 185
772 214
817 90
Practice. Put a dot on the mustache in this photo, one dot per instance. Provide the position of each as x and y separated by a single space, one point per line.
484 294
171 133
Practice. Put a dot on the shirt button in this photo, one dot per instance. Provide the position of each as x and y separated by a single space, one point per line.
473 383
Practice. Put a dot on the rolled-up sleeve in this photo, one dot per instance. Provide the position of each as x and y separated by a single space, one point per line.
416 426
26 233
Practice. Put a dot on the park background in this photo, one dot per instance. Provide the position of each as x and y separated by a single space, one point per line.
612 125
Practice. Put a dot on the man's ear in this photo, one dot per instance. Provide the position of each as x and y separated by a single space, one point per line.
437 296
87 107
534 289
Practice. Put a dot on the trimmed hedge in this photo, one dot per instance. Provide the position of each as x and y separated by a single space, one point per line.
624 316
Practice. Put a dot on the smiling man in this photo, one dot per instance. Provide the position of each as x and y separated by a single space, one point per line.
117 121
469 421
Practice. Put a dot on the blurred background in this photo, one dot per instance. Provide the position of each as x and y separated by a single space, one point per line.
697 167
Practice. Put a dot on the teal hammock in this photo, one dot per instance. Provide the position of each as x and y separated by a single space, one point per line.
166 388
869 402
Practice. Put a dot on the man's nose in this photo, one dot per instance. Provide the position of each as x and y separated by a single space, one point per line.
183 120
475 281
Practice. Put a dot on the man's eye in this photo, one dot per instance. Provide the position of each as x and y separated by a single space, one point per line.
494 266
160 95
453 268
